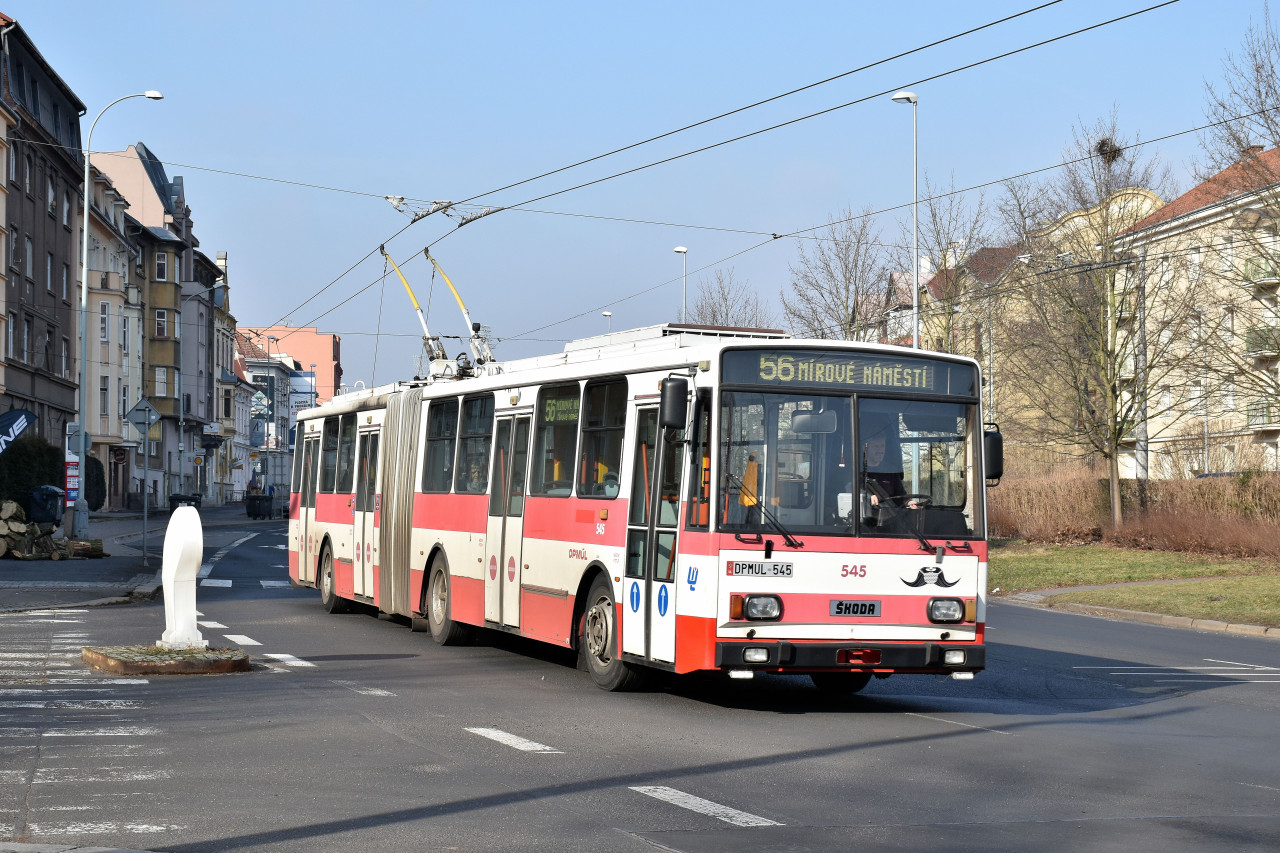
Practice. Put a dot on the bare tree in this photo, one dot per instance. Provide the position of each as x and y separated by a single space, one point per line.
1088 376
722 301
951 228
1244 107
839 286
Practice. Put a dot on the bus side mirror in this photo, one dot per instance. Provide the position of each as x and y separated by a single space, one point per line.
993 453
673 412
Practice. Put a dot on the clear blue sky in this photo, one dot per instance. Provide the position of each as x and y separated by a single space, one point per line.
449 100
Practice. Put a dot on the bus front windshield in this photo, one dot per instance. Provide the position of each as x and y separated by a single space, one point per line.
841 465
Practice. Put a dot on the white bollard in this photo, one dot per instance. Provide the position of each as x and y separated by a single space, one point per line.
183 553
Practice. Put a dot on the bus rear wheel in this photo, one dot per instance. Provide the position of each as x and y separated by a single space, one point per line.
840 683
599 641
328 593
444 630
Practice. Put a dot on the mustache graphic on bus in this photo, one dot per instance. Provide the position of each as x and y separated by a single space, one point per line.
930 575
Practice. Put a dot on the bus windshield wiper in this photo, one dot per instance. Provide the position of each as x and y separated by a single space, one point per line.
792 542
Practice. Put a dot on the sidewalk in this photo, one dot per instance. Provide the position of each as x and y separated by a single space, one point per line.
116 579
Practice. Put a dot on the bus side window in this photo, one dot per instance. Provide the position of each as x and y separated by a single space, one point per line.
474 439
442 434
604 416
297 460
699 514
329 455
557 431
347 454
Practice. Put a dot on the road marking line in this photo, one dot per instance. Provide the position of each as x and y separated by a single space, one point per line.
98 681
1236 663
242 640
290 660
958 723
102 828
72 704
206 568
215 582
56 775
211 625
356 687
514 741
701 806
106 731
54 612
275 584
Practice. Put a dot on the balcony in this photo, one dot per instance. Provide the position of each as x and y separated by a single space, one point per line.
1264 416
1262 342
1262 273
1127 369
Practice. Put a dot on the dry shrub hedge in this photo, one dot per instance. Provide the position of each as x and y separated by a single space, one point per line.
1237 515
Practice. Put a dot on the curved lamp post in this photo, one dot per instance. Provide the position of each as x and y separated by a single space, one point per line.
80 519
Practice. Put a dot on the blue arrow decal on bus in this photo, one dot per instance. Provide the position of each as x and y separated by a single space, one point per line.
662 600
635 597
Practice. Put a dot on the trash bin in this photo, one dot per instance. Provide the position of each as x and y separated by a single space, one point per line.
258 506
47 503
177 500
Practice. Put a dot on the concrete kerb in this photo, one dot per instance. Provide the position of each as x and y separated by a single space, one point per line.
1039 599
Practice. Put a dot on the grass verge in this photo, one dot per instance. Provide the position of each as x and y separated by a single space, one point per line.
1244 591
1243 601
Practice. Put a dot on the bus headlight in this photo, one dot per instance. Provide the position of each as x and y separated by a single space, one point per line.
762 608
946 610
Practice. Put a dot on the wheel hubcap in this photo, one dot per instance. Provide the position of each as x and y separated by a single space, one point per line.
598 630
439 595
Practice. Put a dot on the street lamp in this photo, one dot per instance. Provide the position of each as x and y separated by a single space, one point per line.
608 316
80 519
910 98
684 279
314 393
182 409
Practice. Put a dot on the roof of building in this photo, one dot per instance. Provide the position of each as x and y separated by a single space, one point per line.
1253 171
249 349
985 265
168 191
7 21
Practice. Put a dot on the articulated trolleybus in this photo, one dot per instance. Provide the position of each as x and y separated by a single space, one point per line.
677 498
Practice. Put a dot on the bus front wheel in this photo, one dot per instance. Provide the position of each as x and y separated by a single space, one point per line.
599 641
328 594
444 630
840 683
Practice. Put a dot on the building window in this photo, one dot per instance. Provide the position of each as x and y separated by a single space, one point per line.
162 382
162 323
66 358
124 400
13 168
28 264
51 195
48 272
1194 264
162 266
124 332
8 334
104 399
26 339
66 281
26 174
1228 253
48 348
226 403
66 208
104 321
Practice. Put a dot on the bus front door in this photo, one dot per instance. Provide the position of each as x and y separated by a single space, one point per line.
649 593
503 567
364 515
308 551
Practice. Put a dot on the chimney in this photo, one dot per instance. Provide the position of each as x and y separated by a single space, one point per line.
1251 152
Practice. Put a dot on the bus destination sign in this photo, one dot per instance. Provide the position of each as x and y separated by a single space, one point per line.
847 370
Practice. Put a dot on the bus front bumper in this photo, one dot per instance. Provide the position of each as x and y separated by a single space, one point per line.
784 656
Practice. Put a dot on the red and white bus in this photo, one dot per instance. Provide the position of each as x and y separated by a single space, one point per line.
678 498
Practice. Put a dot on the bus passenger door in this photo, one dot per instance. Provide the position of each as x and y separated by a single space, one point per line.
364 515
308 553
649 594
505 535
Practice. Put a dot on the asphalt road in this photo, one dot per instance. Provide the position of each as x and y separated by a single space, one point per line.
354 733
